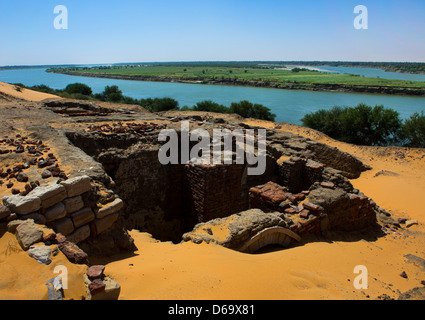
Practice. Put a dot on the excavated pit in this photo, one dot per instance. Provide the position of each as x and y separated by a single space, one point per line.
167 201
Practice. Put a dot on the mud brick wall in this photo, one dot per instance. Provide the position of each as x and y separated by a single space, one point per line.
216 190
324 208
312 225
351 212
299 174
68 207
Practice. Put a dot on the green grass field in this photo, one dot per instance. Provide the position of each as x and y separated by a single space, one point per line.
273 75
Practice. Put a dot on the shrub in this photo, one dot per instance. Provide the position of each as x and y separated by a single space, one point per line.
413 131
43 88
210 106
326 121
159 104
361 125
247 109
112 94
79 88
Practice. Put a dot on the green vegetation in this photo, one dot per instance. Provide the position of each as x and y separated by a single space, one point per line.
364 125
406 67
265 75
361 125
243 108
414 130
79 88
114 94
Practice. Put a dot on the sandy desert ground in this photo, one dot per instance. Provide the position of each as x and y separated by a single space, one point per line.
318 270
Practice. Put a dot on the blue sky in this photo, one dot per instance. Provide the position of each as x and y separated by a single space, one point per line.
104 31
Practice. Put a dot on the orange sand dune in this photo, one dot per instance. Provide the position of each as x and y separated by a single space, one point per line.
24 94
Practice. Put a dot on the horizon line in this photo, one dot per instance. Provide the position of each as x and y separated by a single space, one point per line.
209 61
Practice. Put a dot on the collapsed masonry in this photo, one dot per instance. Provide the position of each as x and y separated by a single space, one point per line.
169 200
312 200
131 189
70 208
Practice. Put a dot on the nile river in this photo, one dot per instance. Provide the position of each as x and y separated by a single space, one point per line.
288 105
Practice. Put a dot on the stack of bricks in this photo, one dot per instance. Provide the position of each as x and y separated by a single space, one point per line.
272 197
66 207
215 190
343 211
308 220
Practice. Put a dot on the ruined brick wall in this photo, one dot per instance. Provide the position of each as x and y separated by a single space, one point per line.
216 190
299 174
325 207
345 211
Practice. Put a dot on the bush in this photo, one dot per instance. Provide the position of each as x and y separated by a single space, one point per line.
79 88
210 106
361 125
43 88
159 104
326 121
413 131
112 94
247 109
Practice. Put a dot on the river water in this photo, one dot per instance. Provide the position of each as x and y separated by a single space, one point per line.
288 105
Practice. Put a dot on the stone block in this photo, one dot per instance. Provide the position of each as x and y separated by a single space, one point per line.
50 202
22 205
96 286
63 226
111 292
109 209
95 272
41 253
82 217
37 217
105 223
55 213
106 289
28 233
49 195
73 252
73 204
410 223
80 234
4 212
12 225
77 186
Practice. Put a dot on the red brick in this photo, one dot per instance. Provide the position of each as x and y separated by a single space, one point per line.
311 206
304 214
290 211
300 196
95 272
